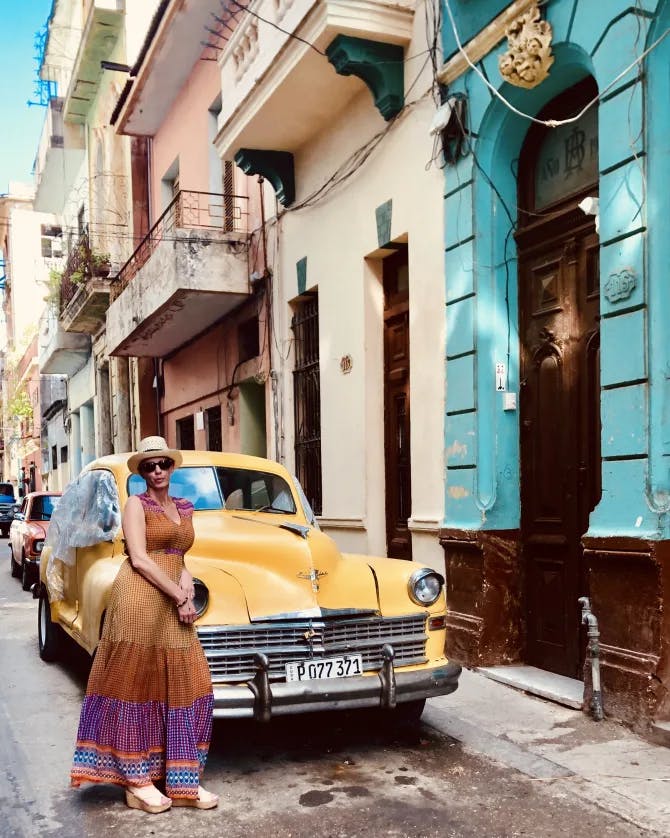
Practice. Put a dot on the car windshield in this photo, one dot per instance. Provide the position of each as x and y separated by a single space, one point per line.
220 487
7 490
42 507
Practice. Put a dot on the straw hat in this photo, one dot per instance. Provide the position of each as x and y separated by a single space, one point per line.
152 448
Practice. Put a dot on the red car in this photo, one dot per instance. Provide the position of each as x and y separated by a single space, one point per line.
27 533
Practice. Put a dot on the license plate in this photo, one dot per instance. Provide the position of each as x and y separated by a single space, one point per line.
316 668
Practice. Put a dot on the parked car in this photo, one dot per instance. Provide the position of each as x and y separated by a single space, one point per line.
7 504
287 622
27 534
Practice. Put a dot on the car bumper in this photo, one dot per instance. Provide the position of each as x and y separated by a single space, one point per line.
262 700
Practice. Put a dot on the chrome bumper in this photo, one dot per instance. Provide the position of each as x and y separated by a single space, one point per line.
261 700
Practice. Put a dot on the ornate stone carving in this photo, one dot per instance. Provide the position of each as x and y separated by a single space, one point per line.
528 59
620 285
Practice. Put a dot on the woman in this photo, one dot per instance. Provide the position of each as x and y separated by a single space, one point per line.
147 714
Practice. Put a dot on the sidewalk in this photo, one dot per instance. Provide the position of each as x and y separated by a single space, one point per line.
599 761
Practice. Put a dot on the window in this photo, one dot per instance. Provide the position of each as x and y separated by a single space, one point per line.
63 454
54 457
307 400
213 428
51 241
229 488
186 433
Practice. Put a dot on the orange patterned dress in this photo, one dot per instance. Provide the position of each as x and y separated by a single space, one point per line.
147 713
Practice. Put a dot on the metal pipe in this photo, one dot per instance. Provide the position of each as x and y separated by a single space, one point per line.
593 654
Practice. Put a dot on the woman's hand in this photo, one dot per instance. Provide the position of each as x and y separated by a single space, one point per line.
186 583
186 612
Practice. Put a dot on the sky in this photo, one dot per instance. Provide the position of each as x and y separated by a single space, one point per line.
20 125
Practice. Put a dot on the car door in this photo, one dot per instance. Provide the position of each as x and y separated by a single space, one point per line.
17 530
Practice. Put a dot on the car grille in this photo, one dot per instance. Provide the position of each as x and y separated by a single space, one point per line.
6 507
230 649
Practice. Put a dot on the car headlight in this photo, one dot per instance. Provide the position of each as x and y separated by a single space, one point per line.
38 545
425 586
201 598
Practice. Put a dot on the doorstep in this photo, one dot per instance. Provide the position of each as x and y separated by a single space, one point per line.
566 691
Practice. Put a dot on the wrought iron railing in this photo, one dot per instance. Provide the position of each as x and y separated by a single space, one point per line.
187 211
76 270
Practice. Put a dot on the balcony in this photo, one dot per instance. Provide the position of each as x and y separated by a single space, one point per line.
104 24
59 157
60 352
277 91
189 271
84 290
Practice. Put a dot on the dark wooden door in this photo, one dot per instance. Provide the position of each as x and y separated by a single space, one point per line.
560 429
396 406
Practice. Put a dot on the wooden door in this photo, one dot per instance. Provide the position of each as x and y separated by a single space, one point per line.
396 406
560 429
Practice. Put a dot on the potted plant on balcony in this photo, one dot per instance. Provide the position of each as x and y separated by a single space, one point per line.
100 264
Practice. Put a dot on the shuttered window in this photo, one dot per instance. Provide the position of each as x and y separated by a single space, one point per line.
307 400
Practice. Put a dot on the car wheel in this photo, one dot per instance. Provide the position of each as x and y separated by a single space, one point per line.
5 532
49 634
15 568
26 575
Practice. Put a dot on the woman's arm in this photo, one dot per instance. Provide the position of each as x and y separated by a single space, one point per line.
134 531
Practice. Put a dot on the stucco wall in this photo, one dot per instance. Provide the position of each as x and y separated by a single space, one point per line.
338 236
185 134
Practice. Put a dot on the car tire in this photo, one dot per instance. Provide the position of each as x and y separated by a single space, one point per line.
26 574
49 634
5 531
15 568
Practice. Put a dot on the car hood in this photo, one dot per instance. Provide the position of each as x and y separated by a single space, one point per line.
256 569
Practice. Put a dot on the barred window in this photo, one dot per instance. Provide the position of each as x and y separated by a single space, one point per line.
307 400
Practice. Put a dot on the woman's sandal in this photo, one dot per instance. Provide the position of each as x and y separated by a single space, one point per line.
209 802
135 802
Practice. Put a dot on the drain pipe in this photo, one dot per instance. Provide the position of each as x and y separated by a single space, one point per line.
593 653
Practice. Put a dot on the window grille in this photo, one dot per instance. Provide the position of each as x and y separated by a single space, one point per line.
307 400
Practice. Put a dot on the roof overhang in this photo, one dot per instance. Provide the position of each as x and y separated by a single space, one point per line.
101 31
167 60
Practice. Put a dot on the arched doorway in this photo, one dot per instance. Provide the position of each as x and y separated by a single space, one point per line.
558 251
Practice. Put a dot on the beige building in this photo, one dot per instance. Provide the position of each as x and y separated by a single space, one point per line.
85 177
336 116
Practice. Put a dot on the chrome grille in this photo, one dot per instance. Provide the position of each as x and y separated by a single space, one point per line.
230 649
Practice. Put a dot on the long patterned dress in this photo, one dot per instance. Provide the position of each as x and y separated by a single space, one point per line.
147 713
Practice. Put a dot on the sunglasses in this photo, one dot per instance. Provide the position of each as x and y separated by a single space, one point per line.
148 466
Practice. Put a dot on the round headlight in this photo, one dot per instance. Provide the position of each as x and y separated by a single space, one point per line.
38 545
425 586
201 598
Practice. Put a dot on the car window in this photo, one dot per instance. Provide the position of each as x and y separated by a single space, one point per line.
236 488
7 489
43 507
195 483
250 489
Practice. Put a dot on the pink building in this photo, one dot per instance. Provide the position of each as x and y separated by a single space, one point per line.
185 304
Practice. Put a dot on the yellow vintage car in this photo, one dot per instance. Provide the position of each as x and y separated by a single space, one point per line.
287 622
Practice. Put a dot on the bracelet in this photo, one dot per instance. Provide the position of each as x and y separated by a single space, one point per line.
183 602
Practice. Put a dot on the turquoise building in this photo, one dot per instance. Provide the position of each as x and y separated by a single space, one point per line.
557 200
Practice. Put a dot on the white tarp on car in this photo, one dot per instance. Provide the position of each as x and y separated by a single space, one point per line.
88 512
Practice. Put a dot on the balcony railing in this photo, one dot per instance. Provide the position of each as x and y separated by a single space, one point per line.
76 270
187 211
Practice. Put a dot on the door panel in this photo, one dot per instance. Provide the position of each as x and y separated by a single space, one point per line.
560 436
396 407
